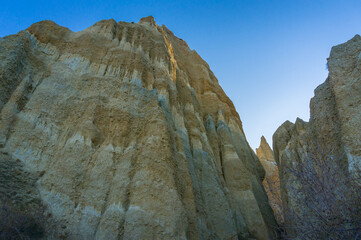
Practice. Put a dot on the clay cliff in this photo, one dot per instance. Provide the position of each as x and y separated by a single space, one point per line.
326 150
128 134
271 182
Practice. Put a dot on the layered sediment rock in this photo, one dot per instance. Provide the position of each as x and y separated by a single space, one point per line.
333 132
271 181
132 134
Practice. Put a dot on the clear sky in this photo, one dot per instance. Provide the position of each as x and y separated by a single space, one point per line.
267 55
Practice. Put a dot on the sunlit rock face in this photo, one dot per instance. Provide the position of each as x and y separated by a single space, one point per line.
132 133
271 182
334 129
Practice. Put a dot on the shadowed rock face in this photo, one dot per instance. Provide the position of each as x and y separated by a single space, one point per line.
133 135
334 129
335 110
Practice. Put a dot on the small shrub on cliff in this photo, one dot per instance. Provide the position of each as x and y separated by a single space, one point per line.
324 201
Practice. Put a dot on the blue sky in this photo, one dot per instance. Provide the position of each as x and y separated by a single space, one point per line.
267 55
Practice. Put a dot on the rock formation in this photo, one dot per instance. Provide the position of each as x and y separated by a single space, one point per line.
332 136
271 181
130 134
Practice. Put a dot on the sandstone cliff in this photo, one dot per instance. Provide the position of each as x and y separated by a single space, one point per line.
328 146
132 134
271 181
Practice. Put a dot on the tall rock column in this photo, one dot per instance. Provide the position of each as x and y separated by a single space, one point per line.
319 160
271 181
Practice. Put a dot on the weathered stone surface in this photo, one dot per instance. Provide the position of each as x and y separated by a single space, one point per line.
289 137
335 110
133 135
271 182
334 129
336 107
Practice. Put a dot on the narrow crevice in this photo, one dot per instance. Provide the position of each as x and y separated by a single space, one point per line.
222 163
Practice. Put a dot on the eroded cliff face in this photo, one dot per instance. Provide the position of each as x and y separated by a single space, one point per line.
271 182
290 138
335 109
333 133
132 134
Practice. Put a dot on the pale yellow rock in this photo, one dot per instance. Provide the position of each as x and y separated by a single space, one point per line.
135 136
271 181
